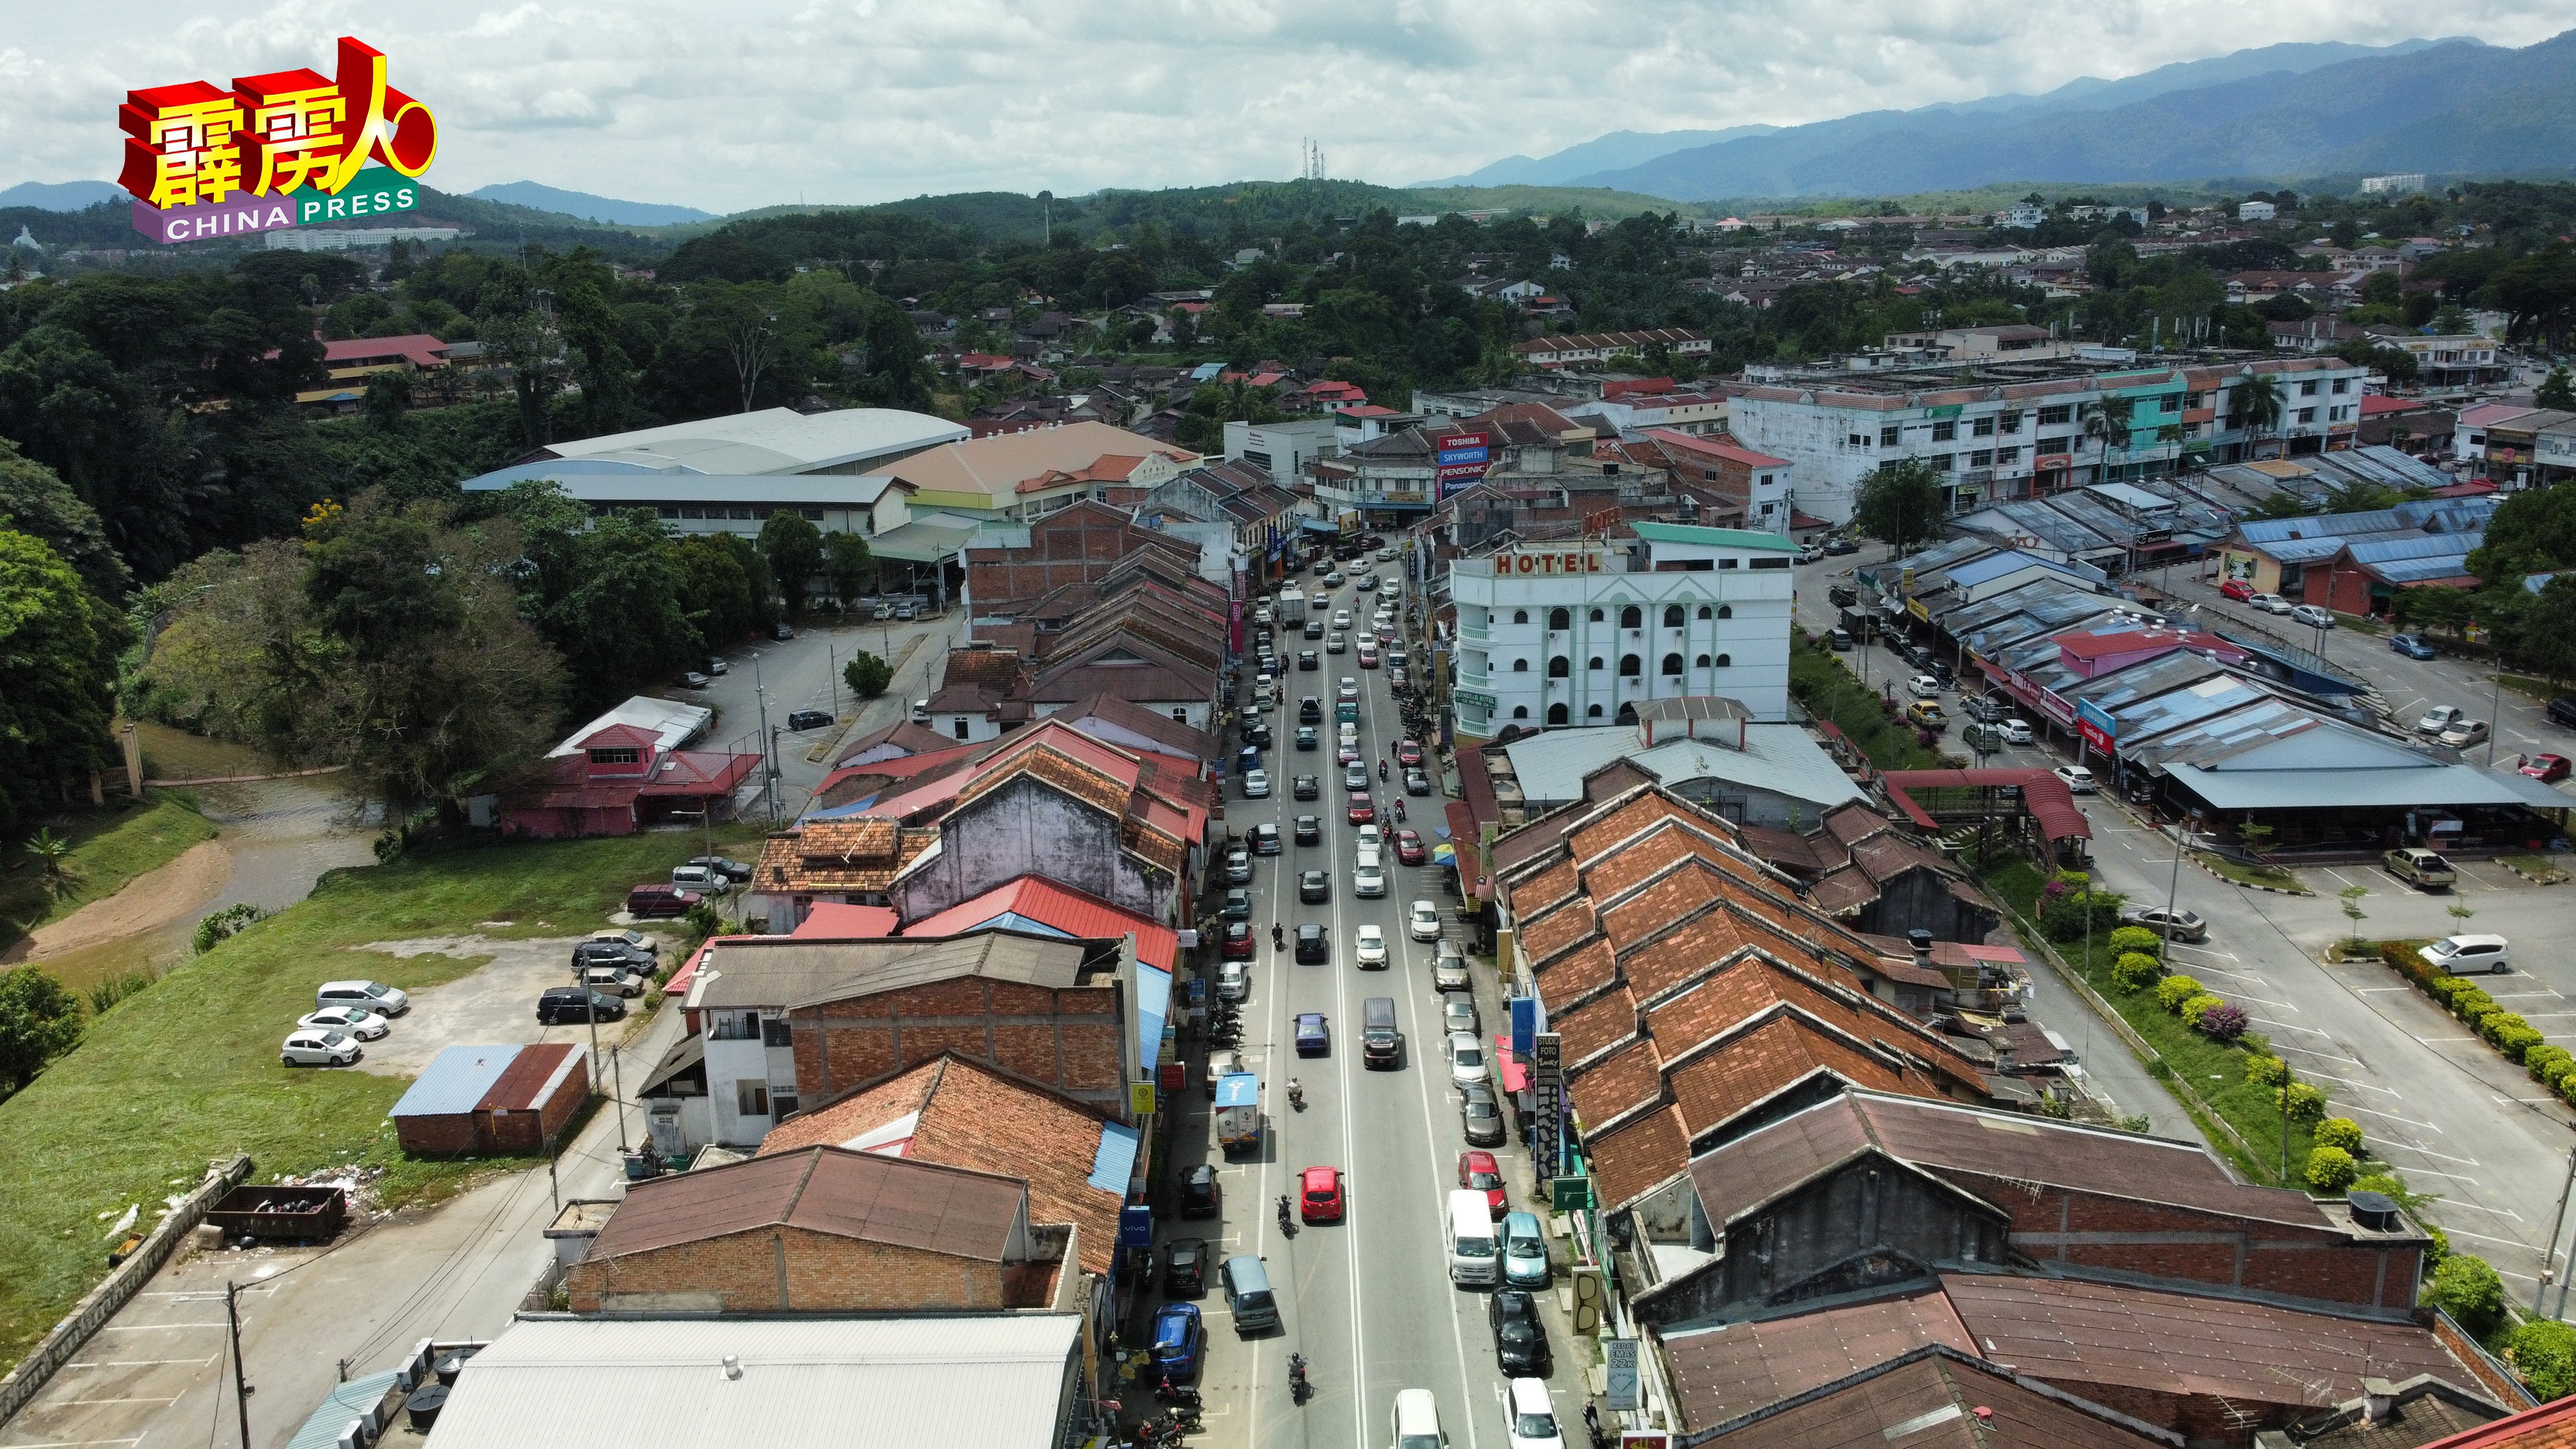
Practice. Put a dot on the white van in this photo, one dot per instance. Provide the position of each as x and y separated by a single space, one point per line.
1417 1421
1474 1255
1349 735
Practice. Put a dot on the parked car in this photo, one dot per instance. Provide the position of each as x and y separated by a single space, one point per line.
1529 1415
1314 948
1408 752
1319 1195
730 869
2463 955
2466 733
2078 779
1422 921
1238 865
705 879
1314 887
1314 1038
319 1047
2562 711
559 1005
616 980
2546 768
1180 1338
2015 731
1222 1062
1478 1172
1924 686
1264 838
2270 604
1457 1014
2439 718
692 679
2412 646
354 1021
1811 553
654 900
2236 589
2174 925
1370 946
1185 1266
1927 715
1837 547
2312 616
616 955
1520 1342
2426 868
1409 849
1525 1260
1256 784
1238 940
1466 1060
632 940
1234 977
372 996
1480 1116
1237 906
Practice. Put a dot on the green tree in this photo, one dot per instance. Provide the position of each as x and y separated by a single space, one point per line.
39 1021
2531 532
867 675
34 501
2352 897
2468 1288
389 399
793 548
2256 406
53 857
715 590
2108 425
604 589
1902 506
850 565
57 680
2557 390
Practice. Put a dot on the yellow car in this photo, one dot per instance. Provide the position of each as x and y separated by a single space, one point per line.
1927 715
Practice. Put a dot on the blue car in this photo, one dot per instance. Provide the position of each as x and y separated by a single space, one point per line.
1179 1339
1312 1039
2410 646
1525 1263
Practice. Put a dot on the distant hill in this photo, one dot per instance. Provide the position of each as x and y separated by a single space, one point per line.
2451 107
583 205
1615 151
60 195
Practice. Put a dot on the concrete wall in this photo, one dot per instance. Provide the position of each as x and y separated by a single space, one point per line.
1028 827
785 1269
1074 1040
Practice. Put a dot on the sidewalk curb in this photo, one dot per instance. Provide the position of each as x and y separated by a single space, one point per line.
2206 869
2557 877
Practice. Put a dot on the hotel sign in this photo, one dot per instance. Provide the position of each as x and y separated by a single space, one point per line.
287 149
1586 562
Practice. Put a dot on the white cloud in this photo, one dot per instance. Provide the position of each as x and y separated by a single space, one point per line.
755 101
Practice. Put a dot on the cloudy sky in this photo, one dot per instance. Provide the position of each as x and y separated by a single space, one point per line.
753 102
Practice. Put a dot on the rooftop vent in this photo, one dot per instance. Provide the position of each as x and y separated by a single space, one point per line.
2376 1211
733 1366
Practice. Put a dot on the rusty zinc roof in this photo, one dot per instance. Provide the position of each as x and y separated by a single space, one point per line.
1736 1368
830 1190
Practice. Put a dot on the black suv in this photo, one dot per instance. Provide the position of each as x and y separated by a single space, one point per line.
1310 710
1312 949
1199 1193
1520 1341
808 719
613 953
562 1004
2562 711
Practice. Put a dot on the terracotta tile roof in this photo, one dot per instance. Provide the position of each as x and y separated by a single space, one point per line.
2551 1426
967 1114
913 1204
1719 1373
993 669
1937 1398
1556 929
1576 974
864 854
1640 1156
1620 1083
1558 882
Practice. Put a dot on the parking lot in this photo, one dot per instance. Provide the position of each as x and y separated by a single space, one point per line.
493 1004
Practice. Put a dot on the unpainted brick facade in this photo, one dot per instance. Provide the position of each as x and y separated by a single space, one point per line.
1073 1039
781 1269
1030 827
1074 546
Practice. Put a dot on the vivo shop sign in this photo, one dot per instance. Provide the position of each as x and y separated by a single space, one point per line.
293 148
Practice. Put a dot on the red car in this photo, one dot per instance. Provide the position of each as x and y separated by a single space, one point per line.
2236 589
1347 754
1476 1169
1368 655
1238 939
1319 1196
1363 809
1408 752
1397 679
1408 847
2546 768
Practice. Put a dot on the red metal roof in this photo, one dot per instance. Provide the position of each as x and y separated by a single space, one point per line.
1729 451
2042 793
832 920
2132 641
619 734
1076 913
530 1078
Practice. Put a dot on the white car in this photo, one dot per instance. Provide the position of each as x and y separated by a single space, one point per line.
1372 838
2461 955
355 1021
2015 731
1368 880
1372 946
1341 618
2079 780
2312 616
1422 923
319 1047
373 996
2439 718
2269 604
635 940
1529 1419
1233 981
1256 784
1924 686
1466 1060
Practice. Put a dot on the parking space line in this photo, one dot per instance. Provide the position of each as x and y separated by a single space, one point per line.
111 1363
2411 1122
2363 1086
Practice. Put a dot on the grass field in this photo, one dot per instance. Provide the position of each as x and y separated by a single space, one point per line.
110 846
188 1071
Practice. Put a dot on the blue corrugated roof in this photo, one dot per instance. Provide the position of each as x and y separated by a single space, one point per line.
344 1405
457 1079
1115 1162
1153 1005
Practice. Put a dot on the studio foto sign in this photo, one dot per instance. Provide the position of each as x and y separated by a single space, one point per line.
279 150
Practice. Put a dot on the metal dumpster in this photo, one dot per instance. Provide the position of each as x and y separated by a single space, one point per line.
303 1214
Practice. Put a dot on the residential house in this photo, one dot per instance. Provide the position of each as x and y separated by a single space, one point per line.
1560 351
1074 545
620 779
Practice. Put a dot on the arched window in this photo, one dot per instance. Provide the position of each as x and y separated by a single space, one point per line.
1559 667
1595 616
1627 713
1520 616
1703 611
1673 665
1556 714
1594 664
1672 616
1632 617
1725 661
1700 663
1520 666
1560 619
1726 611
1521 711
1593 713
1630 666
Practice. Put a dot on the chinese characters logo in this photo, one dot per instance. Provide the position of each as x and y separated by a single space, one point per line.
272 134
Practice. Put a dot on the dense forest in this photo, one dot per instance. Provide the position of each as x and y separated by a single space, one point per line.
154 461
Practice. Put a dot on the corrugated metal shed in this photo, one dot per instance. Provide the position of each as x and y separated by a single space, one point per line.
1005 1381
2427 785
456 1080
346 1404
531 1078
1115 1163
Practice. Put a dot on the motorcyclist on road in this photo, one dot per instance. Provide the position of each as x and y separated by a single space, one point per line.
1381 769
1278 937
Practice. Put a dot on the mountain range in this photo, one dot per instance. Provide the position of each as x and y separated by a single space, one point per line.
60 195
588 207
2304 110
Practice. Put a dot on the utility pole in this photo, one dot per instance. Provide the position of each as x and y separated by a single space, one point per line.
2557 1225
2173 889
241 1383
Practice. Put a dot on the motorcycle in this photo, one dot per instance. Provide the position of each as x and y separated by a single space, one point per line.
1181 1395
1296 1094
1176 1422
1298 1389
1287 1220
1278 938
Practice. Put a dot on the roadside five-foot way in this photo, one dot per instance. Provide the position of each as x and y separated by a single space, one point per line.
1367 1300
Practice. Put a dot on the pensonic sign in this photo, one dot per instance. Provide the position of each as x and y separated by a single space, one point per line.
280 150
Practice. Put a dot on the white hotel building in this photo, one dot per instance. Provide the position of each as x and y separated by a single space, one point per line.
1581 633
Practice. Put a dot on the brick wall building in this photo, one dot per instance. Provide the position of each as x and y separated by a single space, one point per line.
1075 545
1071 1037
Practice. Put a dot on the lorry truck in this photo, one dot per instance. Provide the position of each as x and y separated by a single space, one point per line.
1292 609
1238 1112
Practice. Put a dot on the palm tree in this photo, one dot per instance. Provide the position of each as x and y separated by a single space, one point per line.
53 857
2258 405
2108 424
